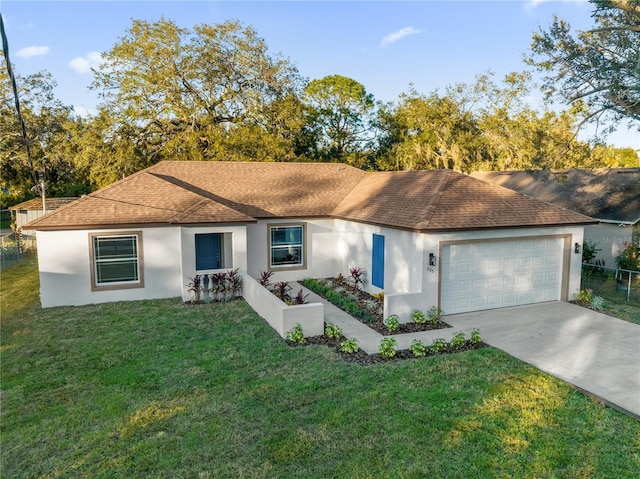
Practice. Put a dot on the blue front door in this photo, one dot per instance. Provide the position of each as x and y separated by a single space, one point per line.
208 251
377 266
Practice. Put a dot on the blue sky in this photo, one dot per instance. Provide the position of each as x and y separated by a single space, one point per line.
383 45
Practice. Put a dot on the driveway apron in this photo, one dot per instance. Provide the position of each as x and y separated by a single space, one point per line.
594 352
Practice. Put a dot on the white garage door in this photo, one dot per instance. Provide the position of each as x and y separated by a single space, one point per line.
496 274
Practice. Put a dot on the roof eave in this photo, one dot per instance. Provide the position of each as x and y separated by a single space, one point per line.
130 225
505 227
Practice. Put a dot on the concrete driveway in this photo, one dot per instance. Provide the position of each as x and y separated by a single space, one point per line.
594 352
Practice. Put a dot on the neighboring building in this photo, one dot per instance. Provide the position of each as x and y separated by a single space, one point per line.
610 195
425 237
30 210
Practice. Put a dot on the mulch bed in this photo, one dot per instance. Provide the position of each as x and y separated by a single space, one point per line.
407 327
362 358
378 324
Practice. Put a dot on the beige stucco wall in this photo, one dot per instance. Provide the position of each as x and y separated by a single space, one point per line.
234 251
333 246
609 237
65 267
403 255
320 254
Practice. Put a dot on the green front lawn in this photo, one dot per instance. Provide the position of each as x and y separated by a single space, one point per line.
627 311
163 389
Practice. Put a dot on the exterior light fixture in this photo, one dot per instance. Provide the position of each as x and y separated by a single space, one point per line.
432 259
577 248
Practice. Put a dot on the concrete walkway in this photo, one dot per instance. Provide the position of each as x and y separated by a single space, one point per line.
598 354
368 339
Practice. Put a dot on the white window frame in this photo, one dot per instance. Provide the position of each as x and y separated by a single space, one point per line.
302 262
94 240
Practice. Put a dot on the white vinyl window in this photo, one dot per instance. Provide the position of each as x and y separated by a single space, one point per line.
286 246
116 260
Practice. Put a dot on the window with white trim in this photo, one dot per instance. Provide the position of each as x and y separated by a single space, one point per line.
286 246
116 260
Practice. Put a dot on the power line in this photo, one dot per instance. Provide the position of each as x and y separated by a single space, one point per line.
5 50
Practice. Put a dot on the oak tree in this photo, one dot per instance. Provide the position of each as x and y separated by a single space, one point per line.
599 67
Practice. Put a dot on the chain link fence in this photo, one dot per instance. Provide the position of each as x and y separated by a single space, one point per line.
611 283
13 247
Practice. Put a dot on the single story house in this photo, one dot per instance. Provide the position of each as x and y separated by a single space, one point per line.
424 237
610 195
29 210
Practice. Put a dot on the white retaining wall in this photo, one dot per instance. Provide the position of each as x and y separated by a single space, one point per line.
280 316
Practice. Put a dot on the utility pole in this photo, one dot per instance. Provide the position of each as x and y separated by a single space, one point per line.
41 188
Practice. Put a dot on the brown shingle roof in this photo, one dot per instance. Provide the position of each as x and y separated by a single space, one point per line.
402 199
240 192
611 194
444 200
36 203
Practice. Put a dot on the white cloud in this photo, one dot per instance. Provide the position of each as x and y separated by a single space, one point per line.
395 36
33 51
85 64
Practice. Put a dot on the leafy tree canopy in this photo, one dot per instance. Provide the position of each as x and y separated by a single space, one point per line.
341 113
50 126
213 92
599 67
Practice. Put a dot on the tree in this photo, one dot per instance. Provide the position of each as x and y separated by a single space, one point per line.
213 92
480 126
611 157
517 136
49 127
341 114
431 132
600 67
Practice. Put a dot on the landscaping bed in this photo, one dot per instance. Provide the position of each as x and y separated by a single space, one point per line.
365 307
361 357
349 350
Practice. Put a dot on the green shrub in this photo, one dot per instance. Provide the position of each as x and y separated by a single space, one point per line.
438 345
458 341
392 323
340 290
589 250
417 348
418 316
296 335
349 346
434 314
629 257
597 303
371 306
387 348
332 331
584 296
335 297
475 336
